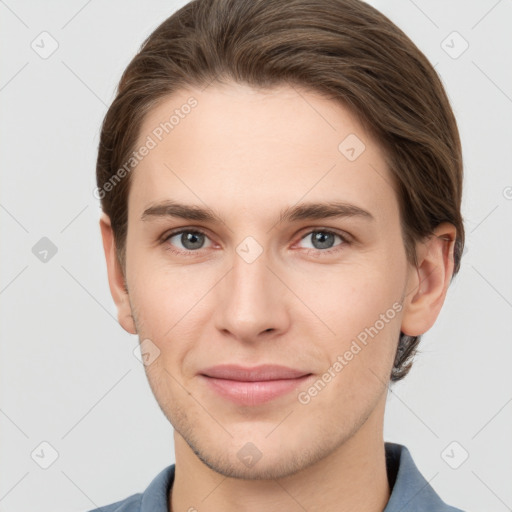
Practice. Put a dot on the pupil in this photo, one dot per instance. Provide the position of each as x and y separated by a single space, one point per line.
322 240
192 240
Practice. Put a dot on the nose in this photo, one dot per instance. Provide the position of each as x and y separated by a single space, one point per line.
251 304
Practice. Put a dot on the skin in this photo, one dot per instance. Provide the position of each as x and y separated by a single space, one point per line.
247 155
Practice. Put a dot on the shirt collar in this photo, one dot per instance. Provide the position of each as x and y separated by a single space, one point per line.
410 491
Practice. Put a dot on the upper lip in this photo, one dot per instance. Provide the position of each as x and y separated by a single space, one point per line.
254 374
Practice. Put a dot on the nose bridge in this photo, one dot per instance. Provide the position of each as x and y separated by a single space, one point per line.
249 277
252 299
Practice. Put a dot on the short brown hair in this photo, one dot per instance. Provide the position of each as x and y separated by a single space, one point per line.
343 49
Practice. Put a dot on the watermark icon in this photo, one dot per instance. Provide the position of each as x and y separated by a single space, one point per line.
351 147
249 455
507 193
455 455
361 341
44 250
45 45
147 353
454 45
249 249
151 142
44 455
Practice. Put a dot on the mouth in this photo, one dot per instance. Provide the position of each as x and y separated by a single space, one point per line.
253 386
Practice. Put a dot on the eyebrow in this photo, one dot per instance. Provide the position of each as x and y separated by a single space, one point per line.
303 211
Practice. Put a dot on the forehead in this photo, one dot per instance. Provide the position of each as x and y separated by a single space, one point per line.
244 149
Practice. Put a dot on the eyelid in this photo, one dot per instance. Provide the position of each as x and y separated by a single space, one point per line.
342 234
183 229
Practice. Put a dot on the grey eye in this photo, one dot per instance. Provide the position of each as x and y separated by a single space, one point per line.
189 240
321 239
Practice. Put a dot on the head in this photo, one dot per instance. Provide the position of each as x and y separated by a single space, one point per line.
236 131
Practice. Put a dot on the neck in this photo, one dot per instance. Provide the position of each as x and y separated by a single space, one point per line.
352 477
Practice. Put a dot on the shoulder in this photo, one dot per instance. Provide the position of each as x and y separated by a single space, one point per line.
131 504
409 489
153 499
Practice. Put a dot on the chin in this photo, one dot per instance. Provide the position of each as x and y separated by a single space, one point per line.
262 460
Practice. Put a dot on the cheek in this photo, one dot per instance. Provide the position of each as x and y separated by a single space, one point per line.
362 309
359 356
350 300
169 302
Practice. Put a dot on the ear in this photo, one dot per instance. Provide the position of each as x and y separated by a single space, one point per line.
116 278
428 282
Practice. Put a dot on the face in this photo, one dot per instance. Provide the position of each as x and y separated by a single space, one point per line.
263 229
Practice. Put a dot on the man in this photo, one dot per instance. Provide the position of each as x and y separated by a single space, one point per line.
281 187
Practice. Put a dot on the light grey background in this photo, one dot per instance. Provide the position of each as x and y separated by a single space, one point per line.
68 372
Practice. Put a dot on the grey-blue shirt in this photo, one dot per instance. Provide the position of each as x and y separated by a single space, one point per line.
410 492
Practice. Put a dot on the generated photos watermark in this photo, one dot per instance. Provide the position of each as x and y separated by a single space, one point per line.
342 360
151 142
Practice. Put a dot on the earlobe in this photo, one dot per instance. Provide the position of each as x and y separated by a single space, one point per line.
116 279
428 282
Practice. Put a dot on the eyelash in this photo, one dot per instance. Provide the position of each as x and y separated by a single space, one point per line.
345 240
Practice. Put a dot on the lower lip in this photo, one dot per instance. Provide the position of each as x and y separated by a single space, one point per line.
253 393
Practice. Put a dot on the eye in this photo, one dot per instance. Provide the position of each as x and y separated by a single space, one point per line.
322 239
192 240
188 240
